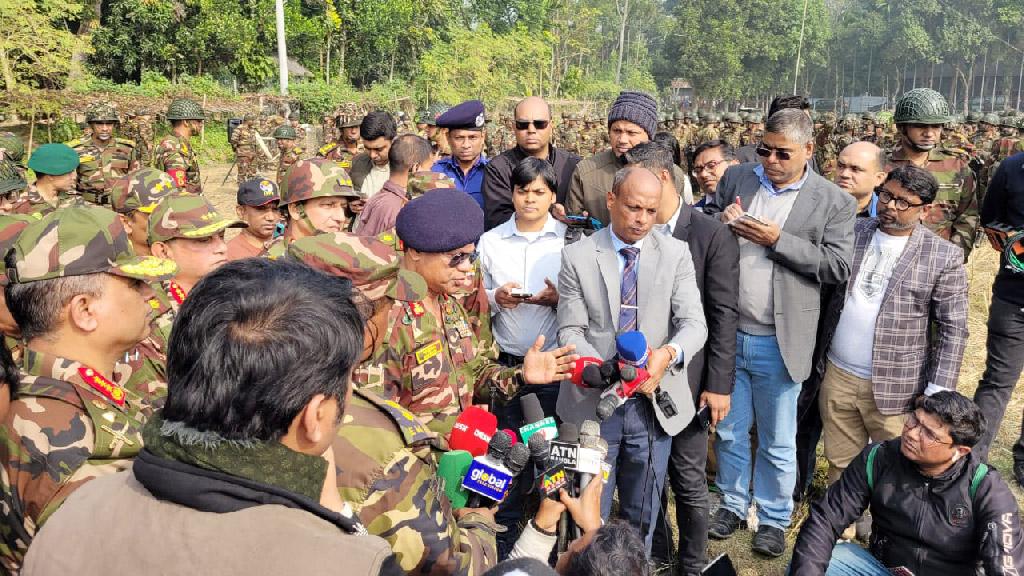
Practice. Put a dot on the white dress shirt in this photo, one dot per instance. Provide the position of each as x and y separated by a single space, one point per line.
527 258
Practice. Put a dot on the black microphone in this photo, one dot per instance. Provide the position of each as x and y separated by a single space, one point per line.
550 472
536 422
564 449
488 479
592 377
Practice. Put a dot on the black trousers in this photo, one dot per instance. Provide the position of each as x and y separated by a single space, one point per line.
689 484
1003 363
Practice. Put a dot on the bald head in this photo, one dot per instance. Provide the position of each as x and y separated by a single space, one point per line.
860 168
531 139
633 203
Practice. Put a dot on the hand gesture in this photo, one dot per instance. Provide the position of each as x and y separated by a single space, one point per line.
546 367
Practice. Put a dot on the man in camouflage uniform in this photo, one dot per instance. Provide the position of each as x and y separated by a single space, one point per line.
328 129
920 115
315 195
348 144
55 167
426 353
710 130
290 152
174 154
749 135
243 144
103 157
72 420
300 132
731 132
144 135
1007 142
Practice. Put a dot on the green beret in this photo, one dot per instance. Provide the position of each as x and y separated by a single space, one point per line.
53 159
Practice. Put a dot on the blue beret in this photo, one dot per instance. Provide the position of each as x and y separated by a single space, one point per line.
440 221
53 159
466 116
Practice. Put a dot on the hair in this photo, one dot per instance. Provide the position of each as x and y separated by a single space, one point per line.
652 155
881 158
623 174
669 141
791 123
9 373
378 124
532 168
253 343
38 306
794 102
407 150
964 418
615 549
728 152
917 181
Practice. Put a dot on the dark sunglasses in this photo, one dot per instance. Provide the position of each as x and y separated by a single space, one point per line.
884 197
538 124
764 152
461 257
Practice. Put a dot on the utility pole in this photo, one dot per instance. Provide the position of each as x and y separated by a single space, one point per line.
282 49
799 48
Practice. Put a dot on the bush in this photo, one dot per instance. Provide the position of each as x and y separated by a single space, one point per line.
317 97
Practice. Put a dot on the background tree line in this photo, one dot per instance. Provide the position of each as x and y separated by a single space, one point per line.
732 51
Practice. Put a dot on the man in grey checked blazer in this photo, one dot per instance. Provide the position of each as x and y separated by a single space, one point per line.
899 328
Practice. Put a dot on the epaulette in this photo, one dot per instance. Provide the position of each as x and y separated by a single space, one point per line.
326 148
298 150
42 387
413 432
74 143
125 141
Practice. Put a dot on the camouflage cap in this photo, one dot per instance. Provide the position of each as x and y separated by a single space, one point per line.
101 113
423 181
141 190
184 215
369 263
80 240
316 178
11 179
11 226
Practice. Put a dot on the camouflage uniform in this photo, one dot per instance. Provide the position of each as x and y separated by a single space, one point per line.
69 423
308 179
176 156
335 151
709 132
12 149
31 203
390 479
288 156
101 164
243 144
144 138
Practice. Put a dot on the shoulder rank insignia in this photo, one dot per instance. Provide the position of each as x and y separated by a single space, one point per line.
176 293
105 387
417 309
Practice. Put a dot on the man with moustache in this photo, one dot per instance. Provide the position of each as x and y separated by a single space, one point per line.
710 161
465 124
102 157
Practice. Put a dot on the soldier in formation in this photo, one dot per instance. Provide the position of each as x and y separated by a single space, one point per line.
290 152
244 146
175 154
103 157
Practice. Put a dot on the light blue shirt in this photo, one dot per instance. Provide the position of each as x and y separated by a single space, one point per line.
770 187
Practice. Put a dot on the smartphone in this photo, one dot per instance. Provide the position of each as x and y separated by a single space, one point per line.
520 293
749 217
704 416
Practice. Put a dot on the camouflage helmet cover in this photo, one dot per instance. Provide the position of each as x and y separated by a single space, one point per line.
316 178
101 113
424 181
921 106
350 116
12 147
141 190
974 117
190 216
367 261
185 109
81 240
990 118
285 132
11 179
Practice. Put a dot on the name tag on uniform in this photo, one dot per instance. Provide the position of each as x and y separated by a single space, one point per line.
428 351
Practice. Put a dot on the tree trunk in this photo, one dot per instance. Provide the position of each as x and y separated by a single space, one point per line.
5 70
92 19
623 16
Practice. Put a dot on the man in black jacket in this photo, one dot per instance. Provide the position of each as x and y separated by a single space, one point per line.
715 253
937 509
533 138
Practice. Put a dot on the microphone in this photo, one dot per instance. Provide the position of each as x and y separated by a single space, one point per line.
614 396
580 367
517 459
473 430
487 477
537 423
451 468
512 434
592 452
564 449
551 474
632 349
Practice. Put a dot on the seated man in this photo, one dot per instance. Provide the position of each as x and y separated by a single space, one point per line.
238 474
936 509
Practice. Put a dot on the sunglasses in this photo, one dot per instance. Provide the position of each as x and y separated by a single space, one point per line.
884 197
461 257
765 152
538 124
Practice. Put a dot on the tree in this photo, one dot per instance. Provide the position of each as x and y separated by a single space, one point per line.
35 45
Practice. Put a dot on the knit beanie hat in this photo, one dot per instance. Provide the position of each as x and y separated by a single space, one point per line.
638 108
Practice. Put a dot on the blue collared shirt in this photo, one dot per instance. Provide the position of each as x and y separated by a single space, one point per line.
471 183
770 187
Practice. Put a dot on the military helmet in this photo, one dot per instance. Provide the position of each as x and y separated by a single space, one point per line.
185 109
714 117
285 132
12 147
11 179
690 114
974 117
435 110
850 122
1008 121
757 117
732 118
101 113
677 115
248 117
421 116
315 178
921 106
868 116
744 115
990 118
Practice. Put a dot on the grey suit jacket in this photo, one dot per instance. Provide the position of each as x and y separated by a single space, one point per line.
669 310
815 247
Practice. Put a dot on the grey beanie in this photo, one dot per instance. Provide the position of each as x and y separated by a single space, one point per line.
638 108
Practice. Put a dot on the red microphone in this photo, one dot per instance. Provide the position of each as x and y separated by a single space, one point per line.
512 434
473 430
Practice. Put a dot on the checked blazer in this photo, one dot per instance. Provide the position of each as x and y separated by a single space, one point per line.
921 330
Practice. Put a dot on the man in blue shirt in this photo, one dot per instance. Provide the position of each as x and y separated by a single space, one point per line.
465 126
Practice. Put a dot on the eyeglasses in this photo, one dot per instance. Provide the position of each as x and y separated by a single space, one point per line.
709 166
927 435
538 124
884 197
458 259
765 152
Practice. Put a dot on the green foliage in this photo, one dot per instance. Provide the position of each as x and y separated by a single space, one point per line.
317 97
153 85
35 43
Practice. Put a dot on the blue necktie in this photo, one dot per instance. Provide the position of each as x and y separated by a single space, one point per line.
627 305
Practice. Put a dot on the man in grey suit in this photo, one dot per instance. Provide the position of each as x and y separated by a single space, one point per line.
796 233
626 277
